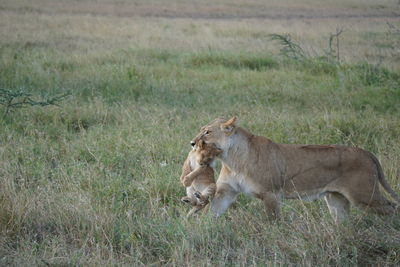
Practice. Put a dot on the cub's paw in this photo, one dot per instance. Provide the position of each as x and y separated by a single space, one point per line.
186 181
203 202
197 194
185 200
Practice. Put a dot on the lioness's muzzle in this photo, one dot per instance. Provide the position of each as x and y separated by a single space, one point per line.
196 139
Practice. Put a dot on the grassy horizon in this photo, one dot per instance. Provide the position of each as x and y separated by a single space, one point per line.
95 181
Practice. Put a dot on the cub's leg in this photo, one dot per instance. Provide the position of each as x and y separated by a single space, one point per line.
194 210
272 202
206 194
223 198
188 179
338 206
190 198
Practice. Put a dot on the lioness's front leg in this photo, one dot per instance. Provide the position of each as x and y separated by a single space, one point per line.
224 197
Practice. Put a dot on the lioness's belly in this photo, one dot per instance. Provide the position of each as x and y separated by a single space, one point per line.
309 195
310 184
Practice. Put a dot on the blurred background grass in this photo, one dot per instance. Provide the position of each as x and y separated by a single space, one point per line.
95 180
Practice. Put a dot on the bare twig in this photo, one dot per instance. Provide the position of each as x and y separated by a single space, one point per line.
393 29
12 99
335 37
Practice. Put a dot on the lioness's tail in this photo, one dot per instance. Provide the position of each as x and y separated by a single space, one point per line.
382 179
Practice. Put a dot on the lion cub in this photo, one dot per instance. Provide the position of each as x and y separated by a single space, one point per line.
198 175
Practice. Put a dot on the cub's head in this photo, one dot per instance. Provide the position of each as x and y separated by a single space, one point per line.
216 133
206 153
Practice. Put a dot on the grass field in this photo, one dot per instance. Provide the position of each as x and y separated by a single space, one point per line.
95 180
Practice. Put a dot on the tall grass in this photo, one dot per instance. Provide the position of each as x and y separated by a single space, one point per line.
95 181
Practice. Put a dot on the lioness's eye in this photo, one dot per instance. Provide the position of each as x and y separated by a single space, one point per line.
207 132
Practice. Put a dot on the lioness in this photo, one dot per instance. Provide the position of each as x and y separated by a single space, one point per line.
269 171
198 175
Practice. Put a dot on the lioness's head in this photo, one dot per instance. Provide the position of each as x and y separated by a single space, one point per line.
206 153
217 133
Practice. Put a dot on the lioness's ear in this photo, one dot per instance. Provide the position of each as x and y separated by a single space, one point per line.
229 125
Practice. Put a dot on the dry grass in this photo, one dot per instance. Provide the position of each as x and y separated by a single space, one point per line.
95 181
89 26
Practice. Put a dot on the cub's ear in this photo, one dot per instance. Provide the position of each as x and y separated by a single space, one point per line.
200 144
229 125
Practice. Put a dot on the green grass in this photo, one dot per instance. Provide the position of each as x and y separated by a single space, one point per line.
95 181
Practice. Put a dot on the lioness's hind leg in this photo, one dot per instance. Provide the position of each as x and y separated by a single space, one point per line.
370 198
376 203
387 208
338 206
272 204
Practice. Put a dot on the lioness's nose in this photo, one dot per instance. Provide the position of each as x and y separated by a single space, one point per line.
192 143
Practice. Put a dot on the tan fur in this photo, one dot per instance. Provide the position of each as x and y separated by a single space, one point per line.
198 176
269 171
